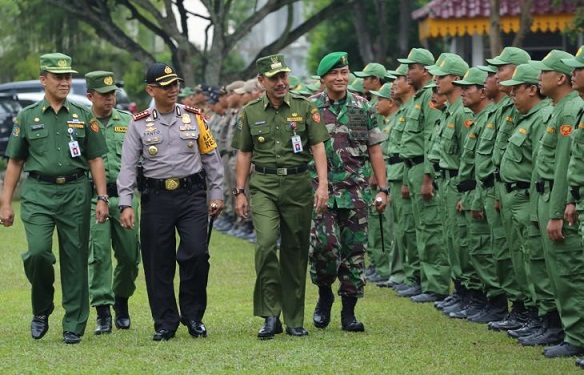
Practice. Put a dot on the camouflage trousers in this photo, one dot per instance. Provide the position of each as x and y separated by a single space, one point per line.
338 240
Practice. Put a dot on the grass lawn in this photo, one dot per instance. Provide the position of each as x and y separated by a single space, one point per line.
401 337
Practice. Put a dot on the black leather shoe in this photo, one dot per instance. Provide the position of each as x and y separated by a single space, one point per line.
104 325
39 326
271 327
563 350
580 362
428 297
533 326
163 335
352 326
122 320
71 338
196 328
322 315
410 292
549 336
298 331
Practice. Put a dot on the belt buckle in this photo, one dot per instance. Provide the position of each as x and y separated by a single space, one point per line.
60 180
171 183
281 171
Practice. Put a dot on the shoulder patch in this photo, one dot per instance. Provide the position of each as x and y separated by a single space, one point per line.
191 109
140 115
468 123
566 130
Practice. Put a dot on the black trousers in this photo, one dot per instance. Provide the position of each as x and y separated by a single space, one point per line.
163 212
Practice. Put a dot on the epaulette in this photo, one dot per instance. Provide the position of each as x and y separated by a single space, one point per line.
196 110
140 115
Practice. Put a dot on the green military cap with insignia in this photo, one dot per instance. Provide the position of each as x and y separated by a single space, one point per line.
372 70
271 65
488 68
384 91
314 86
185 92
357 86
402 70
57 63
448 63
553 61
331 61
510 55
473 76
100 81
577 61
418 56
524 73
431 85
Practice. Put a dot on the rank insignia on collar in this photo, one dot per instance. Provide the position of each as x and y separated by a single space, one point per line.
140 115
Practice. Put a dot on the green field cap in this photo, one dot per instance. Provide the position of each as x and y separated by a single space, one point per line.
510 55
524 73
488 68
185 92
401 70
56 63
271 65
101 81
473 76
577 61
384 91
553 61
449 63
301 89
372 70
331 61
418 56
357 86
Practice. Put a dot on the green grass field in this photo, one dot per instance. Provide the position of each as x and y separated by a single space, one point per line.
401 337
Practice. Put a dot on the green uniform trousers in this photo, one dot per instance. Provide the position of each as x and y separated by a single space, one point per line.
565 264
282 207
481 256
521 292
45 206
379 255
126 246
539 287
434 268
500 248
457 232
404 259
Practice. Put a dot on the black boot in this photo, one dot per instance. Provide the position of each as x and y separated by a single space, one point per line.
122 315
533 325
348 320
322 311
476 302
551 334
104 320
494 310
518 316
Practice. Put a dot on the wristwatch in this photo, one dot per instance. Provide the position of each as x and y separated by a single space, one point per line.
103 198
237 191
384 190
123 207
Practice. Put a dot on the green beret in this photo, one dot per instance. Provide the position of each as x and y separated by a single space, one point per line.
57 63
100 81
331 61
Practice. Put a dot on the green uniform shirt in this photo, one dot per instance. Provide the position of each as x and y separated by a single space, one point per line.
505 120
576 164
395 128
554 153
484 166
458 121
466 170
519 157
417 130
268 132
41 138
114 133
437 124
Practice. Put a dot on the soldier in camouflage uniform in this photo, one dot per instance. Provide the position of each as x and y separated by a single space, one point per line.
339 235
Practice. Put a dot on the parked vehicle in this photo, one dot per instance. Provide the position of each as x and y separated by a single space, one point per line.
9 108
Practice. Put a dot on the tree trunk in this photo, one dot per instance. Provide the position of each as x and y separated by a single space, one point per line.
495 39
525 21
405 19
362 32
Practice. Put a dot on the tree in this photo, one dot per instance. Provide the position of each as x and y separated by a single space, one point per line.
172 28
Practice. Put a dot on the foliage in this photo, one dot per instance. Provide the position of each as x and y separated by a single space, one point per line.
401 337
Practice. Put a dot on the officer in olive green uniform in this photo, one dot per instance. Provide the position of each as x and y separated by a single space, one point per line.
517 165
277 133
56 142
563 248
103 290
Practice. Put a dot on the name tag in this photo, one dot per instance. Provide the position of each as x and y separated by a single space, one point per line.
120 129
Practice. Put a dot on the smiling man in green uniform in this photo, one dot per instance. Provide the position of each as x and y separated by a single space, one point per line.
56 142
280 133
103 291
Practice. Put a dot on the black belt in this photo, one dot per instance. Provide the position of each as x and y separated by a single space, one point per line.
59 180
489 181
540 185
175 183
511 186
414 161
281 171
467 185
394 159
436 167
449 172
112 189
575 191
